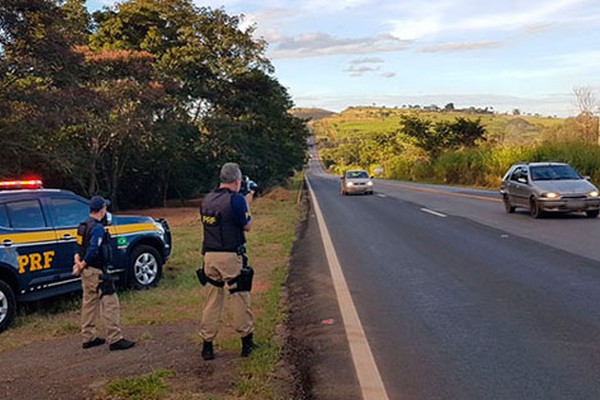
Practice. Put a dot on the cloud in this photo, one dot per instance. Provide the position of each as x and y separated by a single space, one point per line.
373 60
360 71
388 75
535 15
338 5
322 44
460 16
466 46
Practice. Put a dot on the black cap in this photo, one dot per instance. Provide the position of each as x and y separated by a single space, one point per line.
97 202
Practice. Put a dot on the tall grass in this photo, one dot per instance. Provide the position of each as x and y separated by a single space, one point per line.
486 166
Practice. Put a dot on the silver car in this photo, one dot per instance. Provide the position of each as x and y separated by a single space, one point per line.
548 187
357 181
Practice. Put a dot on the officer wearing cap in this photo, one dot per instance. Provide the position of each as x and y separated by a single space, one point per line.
99 294
226 217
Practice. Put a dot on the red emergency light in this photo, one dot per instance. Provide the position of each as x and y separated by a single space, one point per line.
26 184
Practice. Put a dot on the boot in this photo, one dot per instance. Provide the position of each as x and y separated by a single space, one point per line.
207 351
122 344
247 345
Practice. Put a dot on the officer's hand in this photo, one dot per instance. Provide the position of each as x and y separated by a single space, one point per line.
77 269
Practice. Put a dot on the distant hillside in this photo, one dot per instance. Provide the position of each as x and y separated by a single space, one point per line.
310 113
501 128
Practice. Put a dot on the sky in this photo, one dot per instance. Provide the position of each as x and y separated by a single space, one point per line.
506 54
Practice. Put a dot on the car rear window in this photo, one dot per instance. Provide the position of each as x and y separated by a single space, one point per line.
26 214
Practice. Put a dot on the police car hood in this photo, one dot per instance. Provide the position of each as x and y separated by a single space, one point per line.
131 219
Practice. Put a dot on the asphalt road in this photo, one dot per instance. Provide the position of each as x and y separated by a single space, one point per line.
460 300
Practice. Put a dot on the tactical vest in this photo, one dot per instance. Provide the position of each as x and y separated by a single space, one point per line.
84 235
222 232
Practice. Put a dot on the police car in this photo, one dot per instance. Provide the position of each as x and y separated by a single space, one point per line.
38 229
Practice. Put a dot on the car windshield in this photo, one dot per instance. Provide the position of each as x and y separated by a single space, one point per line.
357 175
553 173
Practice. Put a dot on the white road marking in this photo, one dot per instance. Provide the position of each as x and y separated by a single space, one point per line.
381 195
370 381
433 212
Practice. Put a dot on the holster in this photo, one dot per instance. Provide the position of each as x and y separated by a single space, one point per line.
242 282
106 285
204 279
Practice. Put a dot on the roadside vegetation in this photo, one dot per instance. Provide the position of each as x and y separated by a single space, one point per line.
179 298
421 145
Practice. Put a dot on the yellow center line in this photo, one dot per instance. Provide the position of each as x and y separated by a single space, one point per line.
436 191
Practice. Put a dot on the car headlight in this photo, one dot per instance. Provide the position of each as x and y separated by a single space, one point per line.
369 183
550 195
159 227
349 184
593 194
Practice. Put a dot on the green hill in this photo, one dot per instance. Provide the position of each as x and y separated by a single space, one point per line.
311 113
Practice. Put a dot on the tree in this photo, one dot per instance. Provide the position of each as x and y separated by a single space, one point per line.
587 103
436 137
449 107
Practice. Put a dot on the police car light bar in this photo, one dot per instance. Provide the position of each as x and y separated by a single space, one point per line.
14 185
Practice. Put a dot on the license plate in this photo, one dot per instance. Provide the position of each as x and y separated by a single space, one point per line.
576 205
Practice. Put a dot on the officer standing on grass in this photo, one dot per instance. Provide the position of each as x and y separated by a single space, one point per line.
226 217
99 294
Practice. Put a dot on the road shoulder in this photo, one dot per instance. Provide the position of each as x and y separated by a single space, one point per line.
316 345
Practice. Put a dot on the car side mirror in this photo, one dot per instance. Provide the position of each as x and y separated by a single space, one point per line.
109 218
371 177
342 177
587 178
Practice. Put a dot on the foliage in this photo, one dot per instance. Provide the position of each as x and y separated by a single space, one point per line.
135 102
436 137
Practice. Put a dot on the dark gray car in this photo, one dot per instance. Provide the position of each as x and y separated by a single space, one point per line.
548 187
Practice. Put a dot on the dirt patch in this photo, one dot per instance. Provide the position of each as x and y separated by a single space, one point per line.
278 194
181 216
61 369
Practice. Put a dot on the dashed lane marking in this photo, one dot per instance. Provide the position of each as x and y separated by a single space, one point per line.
381 195
370 381
433 212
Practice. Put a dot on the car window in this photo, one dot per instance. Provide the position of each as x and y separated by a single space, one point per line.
4 222
553 173
516 173
357 175
69 212
26 214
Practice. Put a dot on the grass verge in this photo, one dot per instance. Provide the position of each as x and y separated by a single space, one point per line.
180 298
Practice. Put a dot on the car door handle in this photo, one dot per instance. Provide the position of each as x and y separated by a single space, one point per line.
7 242
67 237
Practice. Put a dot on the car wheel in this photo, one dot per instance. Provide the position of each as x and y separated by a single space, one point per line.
534 208
145 267
592 213
507 206
8 305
